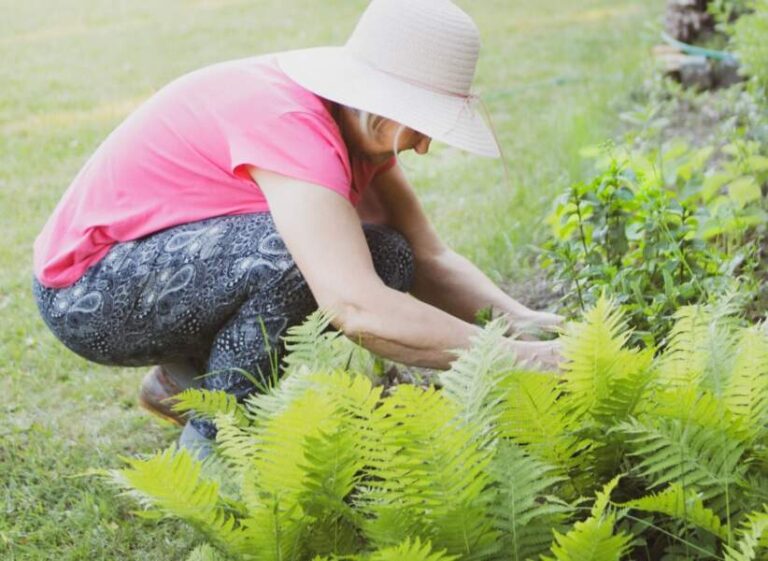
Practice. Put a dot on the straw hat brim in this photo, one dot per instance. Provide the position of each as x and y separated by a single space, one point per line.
332 73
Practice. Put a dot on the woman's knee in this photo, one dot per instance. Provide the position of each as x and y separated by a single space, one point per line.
392 256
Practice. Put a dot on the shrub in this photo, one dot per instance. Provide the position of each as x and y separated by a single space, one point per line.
748 35
656 232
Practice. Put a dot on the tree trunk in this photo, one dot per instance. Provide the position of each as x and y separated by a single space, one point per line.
687 20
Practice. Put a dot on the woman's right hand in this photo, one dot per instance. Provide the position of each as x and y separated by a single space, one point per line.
540 355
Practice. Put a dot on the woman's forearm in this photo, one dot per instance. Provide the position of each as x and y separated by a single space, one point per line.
404 329
453 284
401 328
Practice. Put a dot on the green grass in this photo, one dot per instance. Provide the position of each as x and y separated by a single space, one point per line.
552 73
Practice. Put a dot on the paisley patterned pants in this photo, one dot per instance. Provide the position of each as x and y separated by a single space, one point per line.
215 294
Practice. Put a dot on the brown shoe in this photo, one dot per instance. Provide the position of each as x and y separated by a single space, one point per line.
156 393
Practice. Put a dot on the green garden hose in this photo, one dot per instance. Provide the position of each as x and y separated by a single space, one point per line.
698 51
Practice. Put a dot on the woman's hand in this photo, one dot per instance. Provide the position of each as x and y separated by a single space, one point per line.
547 321
529 325
541 355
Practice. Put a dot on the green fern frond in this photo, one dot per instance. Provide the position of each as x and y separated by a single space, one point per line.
411 551
533 415
316 347
473 382
699 407
274 529
259 407
307 459
171 482
753 536
209 404
700 350
524 510
205 553
237 445
282 443
333 466
686 506
702 458
626 392
593 539
426 474
746 394
595 357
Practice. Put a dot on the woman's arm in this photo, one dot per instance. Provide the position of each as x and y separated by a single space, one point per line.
444 278
325 238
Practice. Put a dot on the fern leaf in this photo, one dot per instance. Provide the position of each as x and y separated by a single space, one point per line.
533 415
746 395
333 466
426 474
627 389
702 458
594 356
260 407
314 346
473 382
171 482
753 537
523 509
274 529
593 539
306 461
700 351
205 553
411 551
236 444
686 506
209 404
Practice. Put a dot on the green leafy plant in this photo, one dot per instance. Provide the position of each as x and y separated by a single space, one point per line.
748 34
497 463
657 232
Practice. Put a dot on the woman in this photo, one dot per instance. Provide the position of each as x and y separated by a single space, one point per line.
244 195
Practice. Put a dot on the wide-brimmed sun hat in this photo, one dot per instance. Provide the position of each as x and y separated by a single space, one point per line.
412 61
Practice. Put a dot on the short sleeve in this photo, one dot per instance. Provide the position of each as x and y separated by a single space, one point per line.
299 145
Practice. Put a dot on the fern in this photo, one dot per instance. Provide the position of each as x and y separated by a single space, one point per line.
209 403
410 551
322 465
172 483
427 475
699 457
314 346
753 537
746 394
205 553
593 539
533 415
686 506
596 364
306 462
334 464
700 351
474 380
236 444
524 510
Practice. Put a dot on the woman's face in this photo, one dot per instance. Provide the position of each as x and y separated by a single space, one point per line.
379 145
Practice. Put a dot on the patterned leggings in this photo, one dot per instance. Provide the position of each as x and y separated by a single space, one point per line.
216 294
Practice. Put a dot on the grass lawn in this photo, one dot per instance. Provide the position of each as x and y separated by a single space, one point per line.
552 72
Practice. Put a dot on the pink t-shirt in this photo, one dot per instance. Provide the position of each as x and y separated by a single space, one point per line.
181 156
